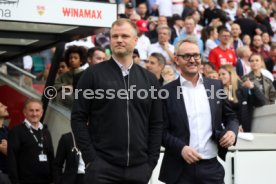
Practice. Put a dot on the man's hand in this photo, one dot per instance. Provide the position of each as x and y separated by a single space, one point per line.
165 46
190 155
228 139
241 129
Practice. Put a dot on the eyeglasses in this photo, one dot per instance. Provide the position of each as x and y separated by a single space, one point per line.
188 57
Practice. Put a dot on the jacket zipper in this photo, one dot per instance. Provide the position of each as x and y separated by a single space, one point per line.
128 132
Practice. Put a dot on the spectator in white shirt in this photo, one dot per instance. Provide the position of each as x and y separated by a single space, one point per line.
163 46
27 65
164 7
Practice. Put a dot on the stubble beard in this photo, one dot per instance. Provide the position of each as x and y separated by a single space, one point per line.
122 53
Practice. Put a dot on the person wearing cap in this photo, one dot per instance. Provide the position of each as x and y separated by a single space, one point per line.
129 9
143 42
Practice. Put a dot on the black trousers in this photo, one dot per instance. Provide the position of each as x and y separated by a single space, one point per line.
79 179
102 172
203 172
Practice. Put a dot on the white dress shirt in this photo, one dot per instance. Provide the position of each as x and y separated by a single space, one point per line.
156 47
199 117
165 7
125 72
142 46
28 123
81 167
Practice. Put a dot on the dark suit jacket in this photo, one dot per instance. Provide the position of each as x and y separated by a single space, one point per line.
176 131
239 68
66 154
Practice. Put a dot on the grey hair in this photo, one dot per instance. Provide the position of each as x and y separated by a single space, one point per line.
188 39
164 27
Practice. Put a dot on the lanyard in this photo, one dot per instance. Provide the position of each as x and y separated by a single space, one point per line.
40 145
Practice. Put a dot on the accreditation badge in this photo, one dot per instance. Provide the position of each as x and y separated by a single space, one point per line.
42 158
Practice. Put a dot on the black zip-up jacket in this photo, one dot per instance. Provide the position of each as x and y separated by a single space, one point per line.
124 132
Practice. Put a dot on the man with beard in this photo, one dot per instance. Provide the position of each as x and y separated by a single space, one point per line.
118 130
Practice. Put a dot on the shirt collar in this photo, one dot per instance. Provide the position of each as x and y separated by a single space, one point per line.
124 71
40 126
184 82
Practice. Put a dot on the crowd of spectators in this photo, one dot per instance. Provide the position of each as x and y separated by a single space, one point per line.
237 42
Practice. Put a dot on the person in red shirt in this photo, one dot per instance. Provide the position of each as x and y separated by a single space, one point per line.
222 55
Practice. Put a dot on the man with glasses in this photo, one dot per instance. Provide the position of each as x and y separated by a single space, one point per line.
198 126
222 54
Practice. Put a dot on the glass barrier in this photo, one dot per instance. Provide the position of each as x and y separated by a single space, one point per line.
13 74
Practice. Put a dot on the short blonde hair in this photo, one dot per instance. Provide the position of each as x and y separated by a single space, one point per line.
32 100
161 27
123 21
241 50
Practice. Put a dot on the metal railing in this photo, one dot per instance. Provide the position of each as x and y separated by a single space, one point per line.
22 71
